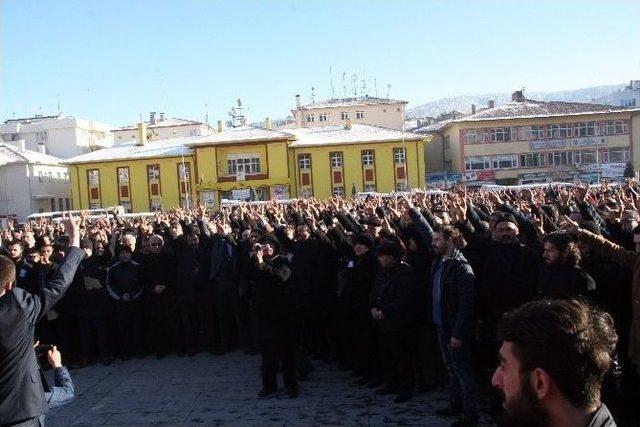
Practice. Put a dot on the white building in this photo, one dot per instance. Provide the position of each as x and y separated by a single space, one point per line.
60 136
31 182
627 97
365 110
161 127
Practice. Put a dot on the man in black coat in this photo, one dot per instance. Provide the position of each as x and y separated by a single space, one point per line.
393 305
22 397
452 311
562 277
274 308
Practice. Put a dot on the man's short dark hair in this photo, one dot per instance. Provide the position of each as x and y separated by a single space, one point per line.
451 232
570 340
16 243
7 270
564 242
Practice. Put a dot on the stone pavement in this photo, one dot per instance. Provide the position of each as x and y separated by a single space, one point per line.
207 390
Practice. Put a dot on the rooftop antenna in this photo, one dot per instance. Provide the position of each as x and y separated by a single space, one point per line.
375 86
206 114
354 82
344 84
58 99
313 95
388 89
331 80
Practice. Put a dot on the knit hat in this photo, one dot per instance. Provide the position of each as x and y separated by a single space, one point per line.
365 239
390 248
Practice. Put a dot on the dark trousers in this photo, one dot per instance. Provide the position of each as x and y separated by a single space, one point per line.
92 332
161 324
396 361
207 316
227 304
129 321
276 353
463 390
189 320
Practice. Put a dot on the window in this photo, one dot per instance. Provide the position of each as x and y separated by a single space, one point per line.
338 191
322 117
559 131
67 203
470 137
248 165
368 158
60 204
560 158
506 161
336 160
588 157
616 155
401 186
53 204
586 129
399 155
311 118
41 136
531 160
499 134
631 102
344 115
304 161
446 142
621 126
153 172
369 188
474 163
39 176
533 132
359 114
448 165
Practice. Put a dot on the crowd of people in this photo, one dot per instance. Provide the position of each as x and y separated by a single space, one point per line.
405 291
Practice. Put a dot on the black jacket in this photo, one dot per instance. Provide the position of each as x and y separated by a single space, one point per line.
124 278
89 288
21 392
565 282
457 296
394 293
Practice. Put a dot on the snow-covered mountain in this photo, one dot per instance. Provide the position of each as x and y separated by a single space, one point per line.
463 103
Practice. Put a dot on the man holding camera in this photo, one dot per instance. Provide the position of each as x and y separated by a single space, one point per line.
22 399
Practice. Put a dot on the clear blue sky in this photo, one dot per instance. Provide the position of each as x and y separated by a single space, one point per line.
112 60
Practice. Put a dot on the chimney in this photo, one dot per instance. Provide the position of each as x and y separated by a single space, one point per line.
220 126
297 101
517 96
42 149
162 117
142 133
152 118
473 108
491 103
347 124
267 123
20 143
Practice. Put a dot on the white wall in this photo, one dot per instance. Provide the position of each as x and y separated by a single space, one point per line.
163 132
20 184
384 115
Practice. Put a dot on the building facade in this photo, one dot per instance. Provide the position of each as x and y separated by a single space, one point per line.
247 163
31 182
389 113
528 141
59 136
628 97
160 127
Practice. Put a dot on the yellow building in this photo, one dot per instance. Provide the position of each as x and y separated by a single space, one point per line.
243 162
526 141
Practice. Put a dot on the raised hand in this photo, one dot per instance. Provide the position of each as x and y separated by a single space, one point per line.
71 228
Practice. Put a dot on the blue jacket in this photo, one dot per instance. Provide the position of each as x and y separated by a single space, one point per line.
63 391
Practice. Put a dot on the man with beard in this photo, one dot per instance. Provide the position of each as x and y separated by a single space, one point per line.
452 312
392 302
561 277
553 359
156 270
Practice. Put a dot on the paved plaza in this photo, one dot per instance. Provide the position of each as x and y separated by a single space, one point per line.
210 390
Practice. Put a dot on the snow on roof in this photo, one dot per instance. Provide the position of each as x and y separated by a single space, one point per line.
433 127
173 147
334 135
240 134
168 122
533 109
350 102
12 154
